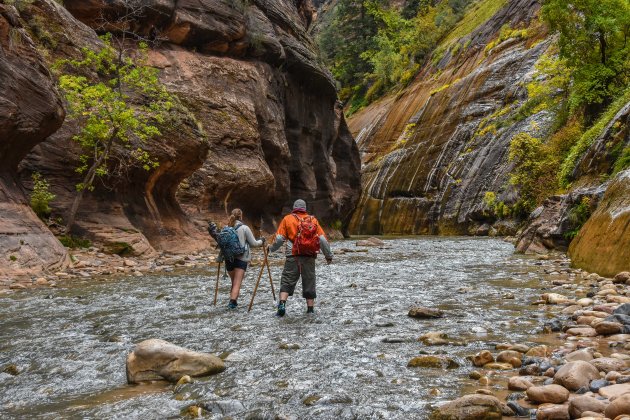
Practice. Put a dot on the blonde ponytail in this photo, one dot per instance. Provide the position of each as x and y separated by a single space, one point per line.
237 214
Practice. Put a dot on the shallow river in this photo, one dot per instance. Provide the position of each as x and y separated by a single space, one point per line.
70 343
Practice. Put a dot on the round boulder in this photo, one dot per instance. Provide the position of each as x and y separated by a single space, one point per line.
584 354
552 412
482 358
158 359
608 364
622 277
575 375
472 407
554 394
608 328
507 355
583 403
538 351
517 383
618 406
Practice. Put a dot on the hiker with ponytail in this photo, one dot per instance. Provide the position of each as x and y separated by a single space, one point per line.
235 241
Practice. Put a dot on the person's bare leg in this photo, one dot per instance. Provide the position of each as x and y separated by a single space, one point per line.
284 296
310 302
237 279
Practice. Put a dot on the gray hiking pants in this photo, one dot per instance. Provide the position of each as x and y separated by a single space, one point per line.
291 273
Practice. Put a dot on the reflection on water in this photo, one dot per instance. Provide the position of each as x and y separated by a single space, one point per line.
70 343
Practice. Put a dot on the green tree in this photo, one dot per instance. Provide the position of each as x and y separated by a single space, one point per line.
593 38
118 101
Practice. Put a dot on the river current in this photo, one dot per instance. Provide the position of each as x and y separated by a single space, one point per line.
349 360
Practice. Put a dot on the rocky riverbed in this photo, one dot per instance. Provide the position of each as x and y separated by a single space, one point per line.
519 319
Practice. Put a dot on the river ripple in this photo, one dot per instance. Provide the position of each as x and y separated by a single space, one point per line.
70 343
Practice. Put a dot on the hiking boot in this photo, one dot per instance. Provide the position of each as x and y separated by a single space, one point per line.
233 304
282 309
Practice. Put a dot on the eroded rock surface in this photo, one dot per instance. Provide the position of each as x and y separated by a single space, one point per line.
428 161
156 359
30 110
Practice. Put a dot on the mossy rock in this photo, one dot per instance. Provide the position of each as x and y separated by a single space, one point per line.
438 362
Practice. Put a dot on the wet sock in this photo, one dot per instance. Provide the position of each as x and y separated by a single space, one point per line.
233 301
310 310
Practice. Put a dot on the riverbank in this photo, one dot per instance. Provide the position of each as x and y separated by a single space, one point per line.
580 367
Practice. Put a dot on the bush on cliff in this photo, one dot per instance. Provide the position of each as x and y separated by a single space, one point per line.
41 196
118 101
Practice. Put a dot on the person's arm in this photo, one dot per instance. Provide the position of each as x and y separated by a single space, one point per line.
249 238
323 243
281 237
325 247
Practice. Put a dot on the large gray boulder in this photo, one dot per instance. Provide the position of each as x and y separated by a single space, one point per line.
158 359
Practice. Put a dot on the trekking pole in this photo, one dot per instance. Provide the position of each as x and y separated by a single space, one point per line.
262 267
273 291
216 288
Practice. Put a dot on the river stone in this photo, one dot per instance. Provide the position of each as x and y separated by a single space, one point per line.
554 394
585 302
475 375
498 366
472 407
614 391
433 362
538 351
506 355
622 277
553 412
482 358
583 355
582 331
575 375
570 310
517 383
619 406
587 320
556 299
608 364
156 359
608 328
521 348
597 384
434 338
583 403
423 312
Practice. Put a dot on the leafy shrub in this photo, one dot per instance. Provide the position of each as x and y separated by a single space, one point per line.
73 242
623 161
41 196
578 215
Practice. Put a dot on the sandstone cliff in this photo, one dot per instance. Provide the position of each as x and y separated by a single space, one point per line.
603 243
30 110
261 125
430 152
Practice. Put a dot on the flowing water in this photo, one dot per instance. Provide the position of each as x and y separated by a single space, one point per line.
70 343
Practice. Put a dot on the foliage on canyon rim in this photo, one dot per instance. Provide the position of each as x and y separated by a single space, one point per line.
118 101
372 47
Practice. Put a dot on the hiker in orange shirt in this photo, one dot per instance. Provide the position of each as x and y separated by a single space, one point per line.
304 237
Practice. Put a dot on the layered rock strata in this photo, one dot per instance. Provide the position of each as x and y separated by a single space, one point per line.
433 151
259 124
30 110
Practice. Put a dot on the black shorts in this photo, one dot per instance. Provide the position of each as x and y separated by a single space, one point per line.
230 266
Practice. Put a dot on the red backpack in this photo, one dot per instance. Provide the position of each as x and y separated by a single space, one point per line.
306 241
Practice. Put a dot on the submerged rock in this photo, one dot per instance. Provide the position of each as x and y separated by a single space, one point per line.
433 362
156 359
422 312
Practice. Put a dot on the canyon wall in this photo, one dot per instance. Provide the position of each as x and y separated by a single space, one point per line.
260 124
431 152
